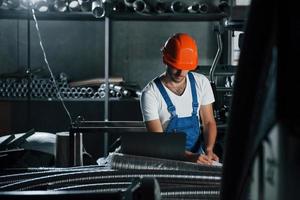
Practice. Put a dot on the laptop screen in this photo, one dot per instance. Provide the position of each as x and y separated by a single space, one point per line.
159 145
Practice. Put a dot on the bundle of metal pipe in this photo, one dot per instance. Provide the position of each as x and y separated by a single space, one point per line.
114 91
10 4
175 6
44 88
98 8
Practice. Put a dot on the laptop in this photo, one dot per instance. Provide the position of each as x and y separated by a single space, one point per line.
158 145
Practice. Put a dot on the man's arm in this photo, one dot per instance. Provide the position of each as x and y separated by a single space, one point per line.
154 126
209 130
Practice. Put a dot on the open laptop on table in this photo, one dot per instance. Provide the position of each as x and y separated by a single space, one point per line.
159 145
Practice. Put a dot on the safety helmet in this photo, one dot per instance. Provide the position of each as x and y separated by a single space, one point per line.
180 51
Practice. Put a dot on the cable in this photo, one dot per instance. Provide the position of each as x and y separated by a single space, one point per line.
48 66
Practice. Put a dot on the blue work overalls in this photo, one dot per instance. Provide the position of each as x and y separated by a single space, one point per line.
189 125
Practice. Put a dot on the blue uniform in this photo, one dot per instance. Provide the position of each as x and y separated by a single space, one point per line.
188 125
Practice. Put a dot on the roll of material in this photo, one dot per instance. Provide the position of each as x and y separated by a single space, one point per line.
125 161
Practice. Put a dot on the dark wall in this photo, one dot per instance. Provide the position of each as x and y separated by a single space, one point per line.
136 45
77 47
73 47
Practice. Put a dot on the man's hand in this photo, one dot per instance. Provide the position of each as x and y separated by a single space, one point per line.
212 156
203 159
206 159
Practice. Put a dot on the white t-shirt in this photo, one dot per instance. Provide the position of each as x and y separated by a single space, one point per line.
154 107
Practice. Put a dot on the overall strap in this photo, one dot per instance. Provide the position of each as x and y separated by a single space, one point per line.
171 107
194 94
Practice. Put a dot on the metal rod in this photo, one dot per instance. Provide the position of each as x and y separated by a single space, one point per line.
71 146
28 70
217 57
106 68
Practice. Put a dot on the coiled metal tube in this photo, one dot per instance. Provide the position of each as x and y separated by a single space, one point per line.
82 177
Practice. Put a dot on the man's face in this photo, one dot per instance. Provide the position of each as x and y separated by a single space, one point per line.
176 75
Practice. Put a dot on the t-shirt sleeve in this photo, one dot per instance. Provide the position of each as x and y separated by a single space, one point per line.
149 105
208 95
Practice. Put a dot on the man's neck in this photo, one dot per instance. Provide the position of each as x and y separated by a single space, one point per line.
176 87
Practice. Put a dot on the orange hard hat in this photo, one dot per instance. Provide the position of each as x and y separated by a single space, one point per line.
180 51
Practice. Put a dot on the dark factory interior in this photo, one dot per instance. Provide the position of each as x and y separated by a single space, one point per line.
149 99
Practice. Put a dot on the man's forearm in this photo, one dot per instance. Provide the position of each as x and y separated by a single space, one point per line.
210 134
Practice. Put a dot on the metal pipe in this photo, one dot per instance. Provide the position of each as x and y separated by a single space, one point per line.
74 5
178 7
12 4
100 187
83 90
76 95
41 5
141 6
117 88
73 90
89 91
102 94
119 94
102 87
160 6
112 93
203 8
98 9
138 93
85 5
194 7
224 6
60 5
96 95
217 57
106 72
129 3
126 93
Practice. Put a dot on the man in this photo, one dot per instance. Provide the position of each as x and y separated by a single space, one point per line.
174 101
